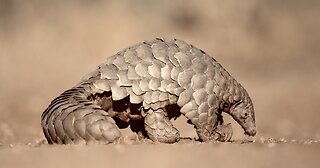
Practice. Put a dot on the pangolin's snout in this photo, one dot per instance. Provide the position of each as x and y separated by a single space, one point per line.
251 132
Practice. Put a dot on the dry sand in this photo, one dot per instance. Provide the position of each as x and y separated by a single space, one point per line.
187 153
271 47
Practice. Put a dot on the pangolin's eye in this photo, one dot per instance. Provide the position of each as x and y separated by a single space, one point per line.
245 115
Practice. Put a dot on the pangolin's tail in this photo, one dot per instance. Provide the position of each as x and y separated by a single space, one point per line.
72 118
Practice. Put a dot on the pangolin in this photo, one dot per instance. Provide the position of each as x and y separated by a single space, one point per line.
144 86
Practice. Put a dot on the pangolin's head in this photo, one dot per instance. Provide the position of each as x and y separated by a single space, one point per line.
241 110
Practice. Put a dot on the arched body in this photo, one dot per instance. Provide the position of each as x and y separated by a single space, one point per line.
144 86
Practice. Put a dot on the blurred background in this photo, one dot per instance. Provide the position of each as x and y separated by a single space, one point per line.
269 46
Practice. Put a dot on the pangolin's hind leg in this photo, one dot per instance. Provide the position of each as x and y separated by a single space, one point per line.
101 127
159 128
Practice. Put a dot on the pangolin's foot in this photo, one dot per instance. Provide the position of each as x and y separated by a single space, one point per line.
223 133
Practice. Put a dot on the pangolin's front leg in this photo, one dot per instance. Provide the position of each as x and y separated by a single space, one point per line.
223 131
213 127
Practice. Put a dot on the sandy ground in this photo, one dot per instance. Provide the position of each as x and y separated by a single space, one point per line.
271 47
161 155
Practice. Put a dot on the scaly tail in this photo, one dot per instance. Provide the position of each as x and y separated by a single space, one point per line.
72 118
